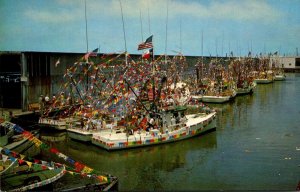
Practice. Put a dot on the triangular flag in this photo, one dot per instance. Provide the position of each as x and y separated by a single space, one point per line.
22 156
29 163
57 62
4 157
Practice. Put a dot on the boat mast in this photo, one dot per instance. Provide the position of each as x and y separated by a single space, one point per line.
87 44
202 62
124 34
166 40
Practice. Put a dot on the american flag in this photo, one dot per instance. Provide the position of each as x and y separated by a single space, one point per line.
147 44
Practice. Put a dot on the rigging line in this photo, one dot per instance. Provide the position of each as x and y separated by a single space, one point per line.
180 38
86 32
148 17
141 25
166 31
123 26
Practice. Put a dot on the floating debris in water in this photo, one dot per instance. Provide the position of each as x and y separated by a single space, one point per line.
298 148
288 158
257 138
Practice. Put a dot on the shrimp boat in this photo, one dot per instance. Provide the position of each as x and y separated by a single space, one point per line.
12 141
241 69
216 86
168 129
279 75
247 89
265 78
158 113
264 74
22 177
219 92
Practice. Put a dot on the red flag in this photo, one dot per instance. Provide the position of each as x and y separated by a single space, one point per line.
53 150
147 54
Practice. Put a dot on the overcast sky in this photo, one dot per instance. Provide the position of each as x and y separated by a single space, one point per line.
176 25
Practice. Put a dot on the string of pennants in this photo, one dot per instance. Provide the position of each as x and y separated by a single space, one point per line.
79 168
136 74
6 154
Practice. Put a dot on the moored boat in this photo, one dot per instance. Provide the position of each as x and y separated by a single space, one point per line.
279 77
168 130
58 124
19 176
246 90
219 98
263 81
13 141
80 134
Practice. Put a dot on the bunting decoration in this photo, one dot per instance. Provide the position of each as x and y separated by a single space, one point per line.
79 168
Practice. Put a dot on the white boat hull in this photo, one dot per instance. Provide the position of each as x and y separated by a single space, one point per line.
80 135
279 77
244 91
59 124
215 99
263 81
195 125
197 97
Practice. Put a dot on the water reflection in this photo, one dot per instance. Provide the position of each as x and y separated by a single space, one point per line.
135 166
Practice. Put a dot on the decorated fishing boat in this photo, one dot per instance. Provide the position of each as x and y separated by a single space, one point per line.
13 140
80 134
241 71
214 83
219 92
168 126
264 75
246 89
264 79
40 173
59 118
279 75
20 175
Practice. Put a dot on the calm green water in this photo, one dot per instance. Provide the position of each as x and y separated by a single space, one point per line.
256 147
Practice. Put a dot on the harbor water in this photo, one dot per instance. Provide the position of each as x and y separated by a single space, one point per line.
256 146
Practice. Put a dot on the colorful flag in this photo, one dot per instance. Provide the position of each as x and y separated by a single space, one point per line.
57 62
147 54
147 44
91 54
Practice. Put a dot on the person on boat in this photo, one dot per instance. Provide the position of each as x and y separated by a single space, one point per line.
183 119
122 122
151 123
103 124
173 120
